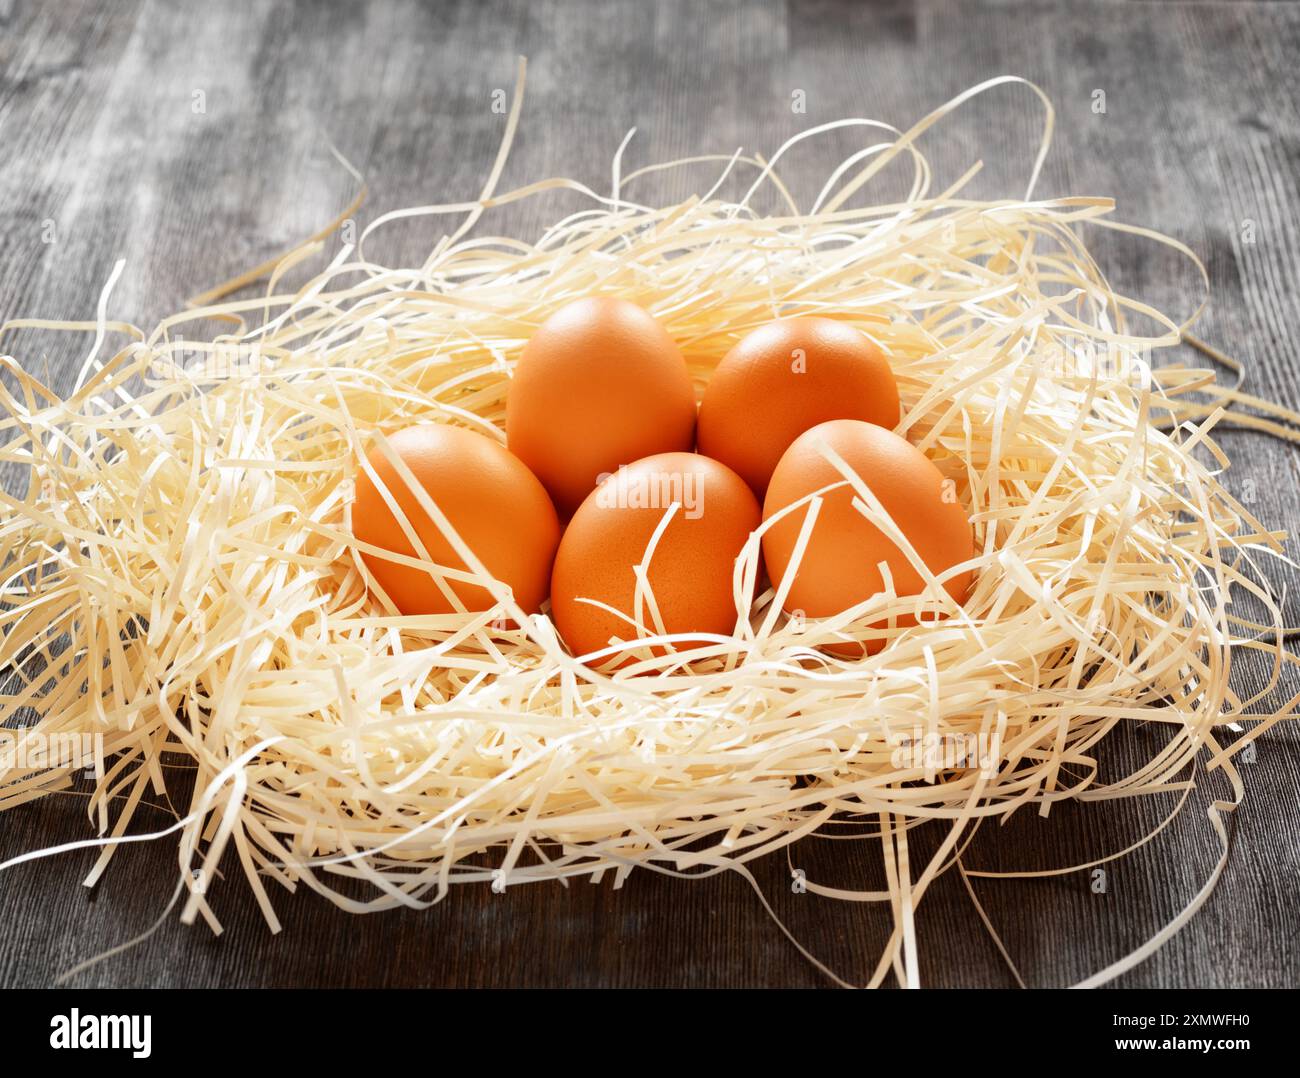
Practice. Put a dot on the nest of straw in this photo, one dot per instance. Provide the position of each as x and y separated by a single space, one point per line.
181 581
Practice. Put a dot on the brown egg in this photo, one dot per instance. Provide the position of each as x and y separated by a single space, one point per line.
494 502
783 379
839 568
691 571
600 384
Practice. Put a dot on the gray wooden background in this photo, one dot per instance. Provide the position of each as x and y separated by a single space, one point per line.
105 155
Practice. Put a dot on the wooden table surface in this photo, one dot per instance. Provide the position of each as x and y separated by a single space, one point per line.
191 140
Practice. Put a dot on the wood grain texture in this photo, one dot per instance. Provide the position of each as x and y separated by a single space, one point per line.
101 149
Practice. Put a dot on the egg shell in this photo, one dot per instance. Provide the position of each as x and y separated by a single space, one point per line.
839 567
691 572
785 378
600 384
497 506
